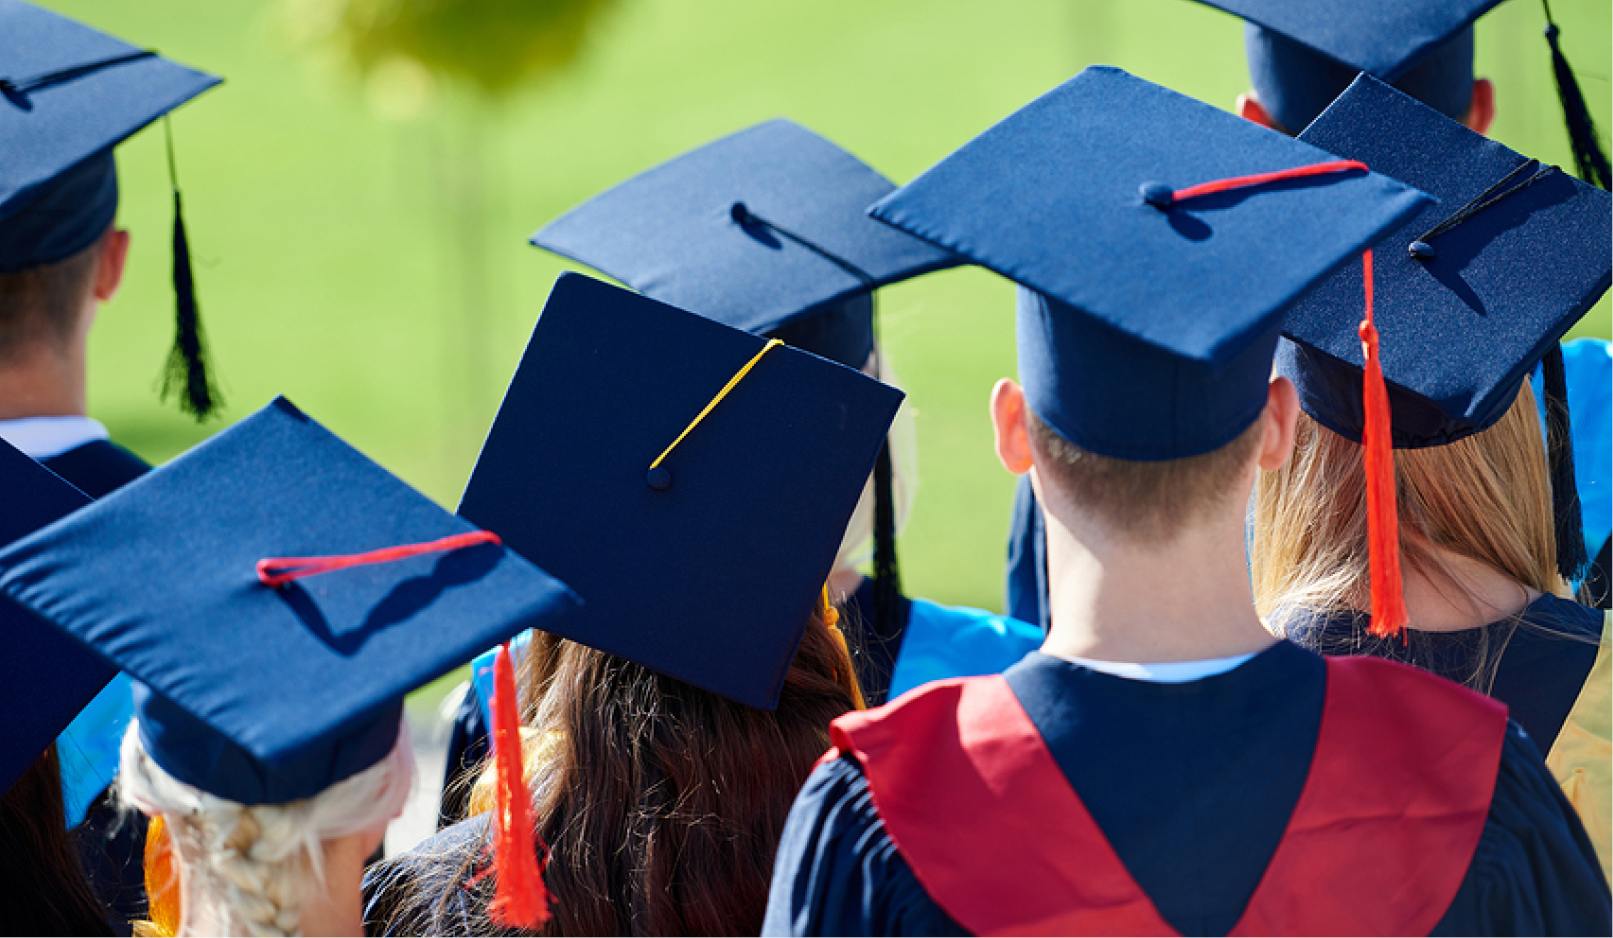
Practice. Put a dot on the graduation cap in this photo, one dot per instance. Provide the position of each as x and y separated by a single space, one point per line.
764 230
1153 275
46 678
1302 55
1474 291
69 94
692 480
249 684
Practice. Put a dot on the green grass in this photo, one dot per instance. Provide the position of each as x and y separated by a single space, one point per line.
326 235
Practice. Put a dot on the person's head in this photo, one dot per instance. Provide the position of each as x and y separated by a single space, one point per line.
1486 497
661 803
1293 83
49 308
1147 504
262 869
43 888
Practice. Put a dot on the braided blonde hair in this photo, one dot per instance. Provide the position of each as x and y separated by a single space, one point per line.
256 863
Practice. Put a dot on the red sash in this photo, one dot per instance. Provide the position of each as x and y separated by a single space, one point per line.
1378 844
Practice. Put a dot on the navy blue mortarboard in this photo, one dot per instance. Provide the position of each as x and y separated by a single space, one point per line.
69 94
265 693
1148 312
692 480
763 230
1472 292
46 678
1302 55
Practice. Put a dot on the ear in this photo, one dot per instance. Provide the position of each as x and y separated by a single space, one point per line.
1250 109
1280 417
1008 424
109 268
1481 113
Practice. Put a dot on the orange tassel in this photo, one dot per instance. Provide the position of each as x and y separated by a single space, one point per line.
162 880
1389 615
520 900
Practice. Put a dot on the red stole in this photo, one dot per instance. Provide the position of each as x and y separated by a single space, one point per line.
1378 844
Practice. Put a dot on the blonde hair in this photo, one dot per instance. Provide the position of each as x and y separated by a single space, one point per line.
256 863
1486 497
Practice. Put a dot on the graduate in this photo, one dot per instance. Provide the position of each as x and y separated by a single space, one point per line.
46 679
765 230
1303 55
273 594
1164 765
656 456
1471 294
69 94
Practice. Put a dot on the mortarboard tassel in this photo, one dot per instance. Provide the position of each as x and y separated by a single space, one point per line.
1389 616
520 900
1588 156
887 576
187 365
162 880
1571 555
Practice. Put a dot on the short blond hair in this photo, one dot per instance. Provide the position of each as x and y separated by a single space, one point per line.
1149 502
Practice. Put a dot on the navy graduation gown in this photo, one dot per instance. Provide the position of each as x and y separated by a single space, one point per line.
429 890
1545 656
111 844
1192 786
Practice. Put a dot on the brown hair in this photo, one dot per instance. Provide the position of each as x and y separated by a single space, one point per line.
43 889
661 803
1486 497
1148 501
42 304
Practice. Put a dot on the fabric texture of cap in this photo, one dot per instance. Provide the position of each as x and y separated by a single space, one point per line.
1144 332
707 567
1303 55
68 95
263 694
764 230
46 678
1462 324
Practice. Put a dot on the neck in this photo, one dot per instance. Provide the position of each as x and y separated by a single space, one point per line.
44 381
1457 592
1114 598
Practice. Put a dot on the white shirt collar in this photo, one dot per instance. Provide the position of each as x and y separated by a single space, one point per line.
1170 672
47 437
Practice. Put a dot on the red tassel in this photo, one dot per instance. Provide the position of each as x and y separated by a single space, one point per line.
1389 615
520 901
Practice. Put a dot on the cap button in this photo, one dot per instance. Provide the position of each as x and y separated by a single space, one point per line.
738 212
1157 194
659 479
1421 250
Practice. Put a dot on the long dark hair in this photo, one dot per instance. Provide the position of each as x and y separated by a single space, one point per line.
43 888
662 803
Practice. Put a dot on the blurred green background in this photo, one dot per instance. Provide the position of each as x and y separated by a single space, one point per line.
342 259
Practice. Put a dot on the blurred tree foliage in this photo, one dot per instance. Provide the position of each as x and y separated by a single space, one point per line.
492 47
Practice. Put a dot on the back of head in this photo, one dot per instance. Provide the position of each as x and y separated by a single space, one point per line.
1486 497
662 804
43 889
43 305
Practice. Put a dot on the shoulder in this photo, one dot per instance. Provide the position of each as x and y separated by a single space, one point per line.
423 891
1534 870
98 468
957 641
1566 617
839 872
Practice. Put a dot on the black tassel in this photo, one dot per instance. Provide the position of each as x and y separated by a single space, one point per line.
887 578
186 369
1589 158
1571 557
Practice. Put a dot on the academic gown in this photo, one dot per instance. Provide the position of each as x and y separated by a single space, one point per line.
110 843
928 642
429 890
1192 786
1553 673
